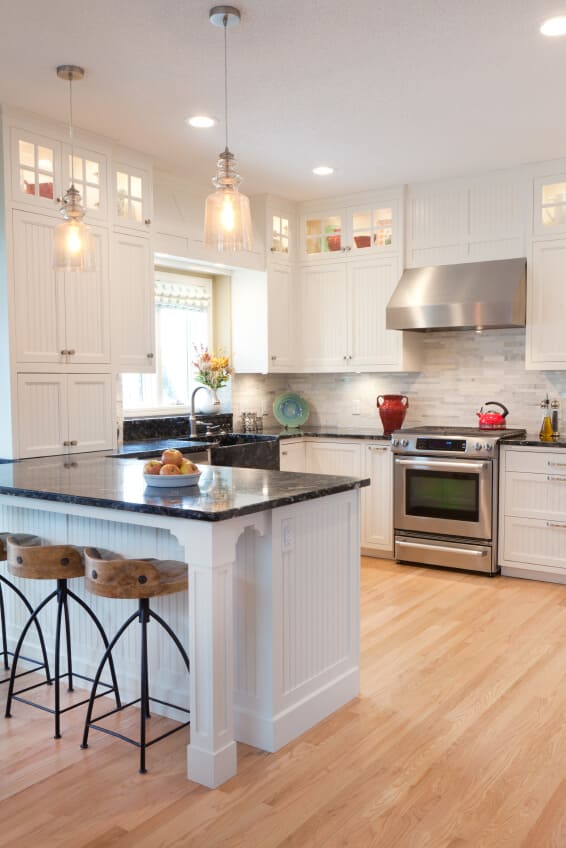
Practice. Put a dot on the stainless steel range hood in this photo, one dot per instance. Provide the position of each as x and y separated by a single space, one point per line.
473 295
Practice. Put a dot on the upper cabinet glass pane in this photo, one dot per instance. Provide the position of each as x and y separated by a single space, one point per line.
554 193
136 187
35 169
27 153
280 235
323 234
122 182
45 159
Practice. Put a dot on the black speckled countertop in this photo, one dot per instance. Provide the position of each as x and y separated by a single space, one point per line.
153 447
533 440
329 432
221 493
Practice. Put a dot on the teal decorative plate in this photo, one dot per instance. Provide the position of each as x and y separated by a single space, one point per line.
290 409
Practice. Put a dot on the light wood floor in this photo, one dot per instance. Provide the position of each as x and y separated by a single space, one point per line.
458 739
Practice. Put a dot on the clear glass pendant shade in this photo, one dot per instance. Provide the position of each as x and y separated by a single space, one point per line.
227 216
73 247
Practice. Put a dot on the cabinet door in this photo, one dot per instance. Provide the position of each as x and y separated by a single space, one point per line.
371 283
281 318
549 205
90 415
131 197
292 456
39 317
322 235
42 414
87 309
133 301
324 322
341 458
546 306
377 500
373 228
89 174
36 170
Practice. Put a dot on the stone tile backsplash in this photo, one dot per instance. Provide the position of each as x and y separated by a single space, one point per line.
461 371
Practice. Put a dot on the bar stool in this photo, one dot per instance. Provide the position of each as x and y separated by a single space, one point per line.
5 653
111 576
29 559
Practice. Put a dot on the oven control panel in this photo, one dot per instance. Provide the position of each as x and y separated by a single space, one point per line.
455 445
444 445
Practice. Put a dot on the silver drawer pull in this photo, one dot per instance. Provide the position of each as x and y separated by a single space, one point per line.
375 448
561 464
558 524
559 479
443 548
447 465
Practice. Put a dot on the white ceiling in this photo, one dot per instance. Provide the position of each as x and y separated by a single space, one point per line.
386 91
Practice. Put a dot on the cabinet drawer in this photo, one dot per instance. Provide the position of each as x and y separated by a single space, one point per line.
534 541
540 496
537 462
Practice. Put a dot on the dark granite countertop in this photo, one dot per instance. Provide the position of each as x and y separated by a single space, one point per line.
533 440
222 492
153 447
329 432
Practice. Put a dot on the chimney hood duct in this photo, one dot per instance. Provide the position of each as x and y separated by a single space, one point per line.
472 295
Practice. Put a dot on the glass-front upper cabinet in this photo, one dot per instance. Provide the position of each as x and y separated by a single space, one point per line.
360 229
280 235
550 204
36 169
131 189
89 173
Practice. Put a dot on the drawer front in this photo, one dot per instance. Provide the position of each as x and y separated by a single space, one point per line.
534 541
541 496
536 462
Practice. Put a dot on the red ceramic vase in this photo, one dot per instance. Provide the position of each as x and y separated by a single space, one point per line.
392 411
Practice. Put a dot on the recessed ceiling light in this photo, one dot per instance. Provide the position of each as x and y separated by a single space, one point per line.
201 121
554 26
323 170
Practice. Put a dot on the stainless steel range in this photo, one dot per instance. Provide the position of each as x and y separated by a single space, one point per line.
445 496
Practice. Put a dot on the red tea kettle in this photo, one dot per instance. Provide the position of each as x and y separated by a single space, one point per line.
492 420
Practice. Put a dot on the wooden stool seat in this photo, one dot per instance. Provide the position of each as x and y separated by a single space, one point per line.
28 558
111 576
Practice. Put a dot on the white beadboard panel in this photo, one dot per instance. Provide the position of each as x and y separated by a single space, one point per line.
132 304
437 216
246 575
42 414
38 308
546 306
323 300
437 255
530 540
505 248
87 308
498 209
535 496
316 594
371 285
90 411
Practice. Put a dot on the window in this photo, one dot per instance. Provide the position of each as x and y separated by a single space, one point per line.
182 320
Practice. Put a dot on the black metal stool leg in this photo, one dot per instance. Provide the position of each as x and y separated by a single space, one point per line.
104 638
29 608
60 604
3 627
106 656
144 705
68 640
17 652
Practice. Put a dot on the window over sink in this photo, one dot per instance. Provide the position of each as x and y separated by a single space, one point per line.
183 316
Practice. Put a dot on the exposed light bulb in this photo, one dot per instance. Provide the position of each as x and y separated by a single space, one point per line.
554 26
227 215
73 239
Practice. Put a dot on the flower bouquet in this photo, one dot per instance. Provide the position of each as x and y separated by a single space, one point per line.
213 369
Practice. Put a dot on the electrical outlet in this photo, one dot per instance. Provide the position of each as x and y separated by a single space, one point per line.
355 407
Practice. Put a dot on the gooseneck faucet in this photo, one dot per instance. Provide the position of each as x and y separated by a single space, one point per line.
192 417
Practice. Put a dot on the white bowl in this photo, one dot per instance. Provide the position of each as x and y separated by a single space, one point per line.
171 481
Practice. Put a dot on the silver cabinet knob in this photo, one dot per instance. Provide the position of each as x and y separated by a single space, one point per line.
150 355
71 352
273 358
73 442
64 352
147 221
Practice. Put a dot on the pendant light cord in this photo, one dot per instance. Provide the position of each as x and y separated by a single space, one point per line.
225 24
71 135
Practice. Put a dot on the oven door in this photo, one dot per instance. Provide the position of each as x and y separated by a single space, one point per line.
451 497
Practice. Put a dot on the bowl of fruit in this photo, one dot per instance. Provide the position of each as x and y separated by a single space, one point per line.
173 469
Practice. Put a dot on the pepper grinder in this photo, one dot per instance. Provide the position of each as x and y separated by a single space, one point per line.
555 407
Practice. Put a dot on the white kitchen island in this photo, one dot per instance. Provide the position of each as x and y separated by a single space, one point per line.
272 613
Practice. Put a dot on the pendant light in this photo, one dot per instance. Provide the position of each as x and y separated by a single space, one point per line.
227 217
73 247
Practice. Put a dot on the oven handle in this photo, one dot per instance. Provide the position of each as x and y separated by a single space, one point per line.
433 463
443 548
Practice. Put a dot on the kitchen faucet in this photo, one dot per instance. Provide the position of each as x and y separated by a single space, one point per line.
192 417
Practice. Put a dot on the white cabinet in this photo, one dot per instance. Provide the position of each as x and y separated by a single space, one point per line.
132 301
377 500
549 205
36 170
369 225
58 318
342 308
59 413
292 455
263 323
533 513
546 306
131 194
